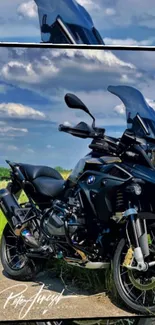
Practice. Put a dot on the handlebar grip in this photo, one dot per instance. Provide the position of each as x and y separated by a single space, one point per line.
63 127
74 131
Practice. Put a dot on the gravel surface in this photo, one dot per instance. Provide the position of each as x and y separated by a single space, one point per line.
47 298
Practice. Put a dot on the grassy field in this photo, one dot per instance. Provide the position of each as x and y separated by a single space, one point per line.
22 199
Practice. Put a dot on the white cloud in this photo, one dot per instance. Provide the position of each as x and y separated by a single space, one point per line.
29 72
89 4
46 70
29 150
129 41
99 56
20 111
49 146
110 11
87 73
27 9
14 24
66 123
12 148
119 13
151 102
21 70
120 109
12 131
126 79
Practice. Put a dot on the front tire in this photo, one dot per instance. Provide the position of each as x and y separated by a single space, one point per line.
14 260
131 287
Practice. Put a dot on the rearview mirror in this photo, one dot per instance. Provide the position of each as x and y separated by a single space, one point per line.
74 102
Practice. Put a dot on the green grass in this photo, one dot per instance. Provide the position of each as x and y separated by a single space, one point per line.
2 218
92 281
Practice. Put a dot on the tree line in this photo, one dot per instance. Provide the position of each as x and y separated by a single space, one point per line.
5 172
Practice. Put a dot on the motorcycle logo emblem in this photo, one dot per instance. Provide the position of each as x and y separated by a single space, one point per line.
90 180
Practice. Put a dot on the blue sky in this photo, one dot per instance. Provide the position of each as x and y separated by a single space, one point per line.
118 21
33 83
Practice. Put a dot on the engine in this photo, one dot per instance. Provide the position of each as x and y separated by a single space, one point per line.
62 218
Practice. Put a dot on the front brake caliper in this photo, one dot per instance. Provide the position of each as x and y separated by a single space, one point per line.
128 257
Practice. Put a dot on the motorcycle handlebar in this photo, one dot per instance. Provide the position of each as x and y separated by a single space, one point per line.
63 128
94 133
77 132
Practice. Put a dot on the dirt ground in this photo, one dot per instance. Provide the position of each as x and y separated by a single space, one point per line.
49 298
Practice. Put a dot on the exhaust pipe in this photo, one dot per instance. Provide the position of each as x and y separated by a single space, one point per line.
9 205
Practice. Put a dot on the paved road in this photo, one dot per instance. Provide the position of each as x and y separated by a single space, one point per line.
47 298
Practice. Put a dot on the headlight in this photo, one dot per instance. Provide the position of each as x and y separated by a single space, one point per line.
134 188
137 189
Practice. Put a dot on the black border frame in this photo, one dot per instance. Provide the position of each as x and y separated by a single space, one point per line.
78 46
139 319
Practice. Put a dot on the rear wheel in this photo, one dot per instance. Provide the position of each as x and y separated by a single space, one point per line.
136 289
13 257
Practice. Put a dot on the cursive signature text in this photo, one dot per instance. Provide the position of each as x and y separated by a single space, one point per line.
19 300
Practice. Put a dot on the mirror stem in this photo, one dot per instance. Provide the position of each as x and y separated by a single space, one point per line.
93 124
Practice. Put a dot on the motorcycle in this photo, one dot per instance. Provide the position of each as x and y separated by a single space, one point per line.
103 214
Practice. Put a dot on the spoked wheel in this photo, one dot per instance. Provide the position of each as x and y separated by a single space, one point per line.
116 321
136 289
103 321
13 256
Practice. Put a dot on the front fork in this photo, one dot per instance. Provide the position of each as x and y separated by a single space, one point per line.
141 246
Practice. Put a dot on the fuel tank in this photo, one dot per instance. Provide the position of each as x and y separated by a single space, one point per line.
139 171
99 180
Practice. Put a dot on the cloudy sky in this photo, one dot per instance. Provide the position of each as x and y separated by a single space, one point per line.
119 21
33 83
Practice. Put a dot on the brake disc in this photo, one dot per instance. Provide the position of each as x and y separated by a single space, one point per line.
141 286
135 282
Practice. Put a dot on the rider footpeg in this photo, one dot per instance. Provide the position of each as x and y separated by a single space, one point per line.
39 252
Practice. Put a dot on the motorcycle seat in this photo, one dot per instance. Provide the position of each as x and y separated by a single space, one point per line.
49 186
32 172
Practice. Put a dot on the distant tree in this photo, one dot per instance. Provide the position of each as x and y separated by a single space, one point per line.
62 170
4 172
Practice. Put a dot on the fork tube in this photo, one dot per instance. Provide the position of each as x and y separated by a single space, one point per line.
142 235
132 218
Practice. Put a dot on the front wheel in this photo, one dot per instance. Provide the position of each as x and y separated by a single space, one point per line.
135 288
13 257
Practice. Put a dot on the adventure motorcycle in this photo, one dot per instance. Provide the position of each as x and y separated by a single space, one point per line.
104 212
